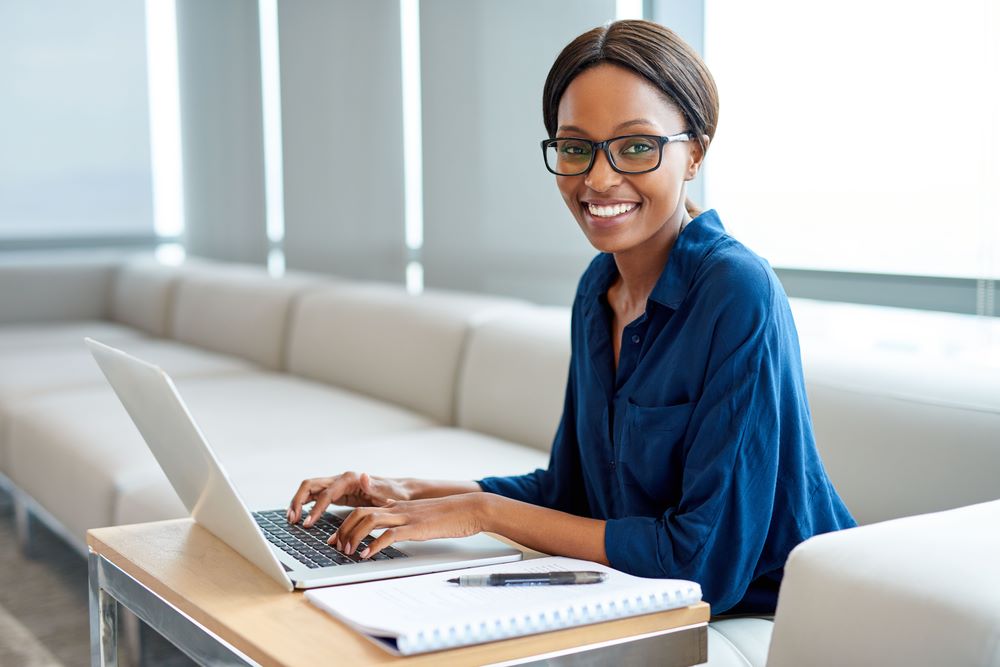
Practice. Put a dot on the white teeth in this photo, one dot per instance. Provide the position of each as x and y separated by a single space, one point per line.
609 211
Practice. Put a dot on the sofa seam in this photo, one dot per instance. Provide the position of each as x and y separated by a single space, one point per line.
169 320
469 326
291 310
110 312
168 306
735 648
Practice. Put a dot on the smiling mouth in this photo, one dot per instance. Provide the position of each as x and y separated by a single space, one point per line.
609 211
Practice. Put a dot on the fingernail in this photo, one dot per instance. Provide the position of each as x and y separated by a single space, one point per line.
288 515
347 548
364 554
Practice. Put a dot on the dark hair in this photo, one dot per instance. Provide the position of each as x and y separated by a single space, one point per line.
655 53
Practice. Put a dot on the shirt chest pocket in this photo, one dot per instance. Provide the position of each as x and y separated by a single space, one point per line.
652 451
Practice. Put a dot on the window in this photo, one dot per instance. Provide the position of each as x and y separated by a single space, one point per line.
74 141
859 136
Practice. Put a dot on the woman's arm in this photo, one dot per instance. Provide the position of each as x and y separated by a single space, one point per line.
539 528
543 529
420 489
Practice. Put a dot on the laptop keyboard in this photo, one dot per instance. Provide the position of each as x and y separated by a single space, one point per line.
308 545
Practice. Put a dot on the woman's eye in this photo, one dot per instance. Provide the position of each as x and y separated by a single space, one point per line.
636 148
574 149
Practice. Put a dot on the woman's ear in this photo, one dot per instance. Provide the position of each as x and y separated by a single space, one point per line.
696 156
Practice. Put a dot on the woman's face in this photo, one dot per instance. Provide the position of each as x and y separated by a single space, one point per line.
609 101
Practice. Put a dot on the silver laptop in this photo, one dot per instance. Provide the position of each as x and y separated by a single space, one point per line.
295 556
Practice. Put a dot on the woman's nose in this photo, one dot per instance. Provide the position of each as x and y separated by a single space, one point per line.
601 176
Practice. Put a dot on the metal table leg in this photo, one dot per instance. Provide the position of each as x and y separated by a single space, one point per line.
111 586
103 619
22 526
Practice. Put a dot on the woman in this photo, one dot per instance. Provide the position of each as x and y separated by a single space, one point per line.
685 448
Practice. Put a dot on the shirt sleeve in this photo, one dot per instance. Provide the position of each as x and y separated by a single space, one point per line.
559 486
716 533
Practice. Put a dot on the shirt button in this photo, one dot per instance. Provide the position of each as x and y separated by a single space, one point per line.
635 338
612 463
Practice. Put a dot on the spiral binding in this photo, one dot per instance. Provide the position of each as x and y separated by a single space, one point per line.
435 639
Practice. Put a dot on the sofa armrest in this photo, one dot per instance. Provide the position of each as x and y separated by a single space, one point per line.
50 287
923 590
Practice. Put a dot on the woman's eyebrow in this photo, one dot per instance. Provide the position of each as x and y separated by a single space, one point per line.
620 126
635 121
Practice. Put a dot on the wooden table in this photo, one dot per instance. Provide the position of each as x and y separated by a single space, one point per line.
221 610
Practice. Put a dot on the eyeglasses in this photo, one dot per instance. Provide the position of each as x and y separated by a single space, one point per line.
629 154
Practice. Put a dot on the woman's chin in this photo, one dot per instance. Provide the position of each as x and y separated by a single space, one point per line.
607 243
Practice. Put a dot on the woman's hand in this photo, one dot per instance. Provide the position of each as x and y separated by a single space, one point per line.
450 516
349 488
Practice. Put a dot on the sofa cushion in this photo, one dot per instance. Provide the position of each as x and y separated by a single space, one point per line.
268 480
385 343
277 413
142 294
66 449
73 451
237 312
15 338
33 370
513 378
430 453
922 590
739 642
55 369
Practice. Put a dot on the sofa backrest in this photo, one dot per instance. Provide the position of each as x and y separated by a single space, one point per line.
55 286
513 378
142 296
906 421
236 310
892 455
380 341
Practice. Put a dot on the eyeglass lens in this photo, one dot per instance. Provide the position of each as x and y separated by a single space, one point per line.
569 157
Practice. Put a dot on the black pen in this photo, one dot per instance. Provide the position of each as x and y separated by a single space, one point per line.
529 579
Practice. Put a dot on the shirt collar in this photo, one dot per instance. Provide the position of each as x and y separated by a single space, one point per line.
690 249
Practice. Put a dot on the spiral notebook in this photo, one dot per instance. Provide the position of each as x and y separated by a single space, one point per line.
426 613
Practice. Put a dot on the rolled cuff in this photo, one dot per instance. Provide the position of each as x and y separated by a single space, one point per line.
631 546
509 487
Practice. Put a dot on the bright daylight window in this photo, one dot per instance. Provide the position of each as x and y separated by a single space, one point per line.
861 135
74 129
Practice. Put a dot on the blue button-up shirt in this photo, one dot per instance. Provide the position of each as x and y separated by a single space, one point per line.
698 451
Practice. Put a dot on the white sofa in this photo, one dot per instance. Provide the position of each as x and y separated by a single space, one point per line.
307 375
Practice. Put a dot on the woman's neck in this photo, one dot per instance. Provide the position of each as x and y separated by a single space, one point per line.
640 267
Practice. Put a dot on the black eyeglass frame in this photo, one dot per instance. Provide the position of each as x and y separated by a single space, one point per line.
603 146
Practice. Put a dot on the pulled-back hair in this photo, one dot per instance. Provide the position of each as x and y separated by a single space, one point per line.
655 53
